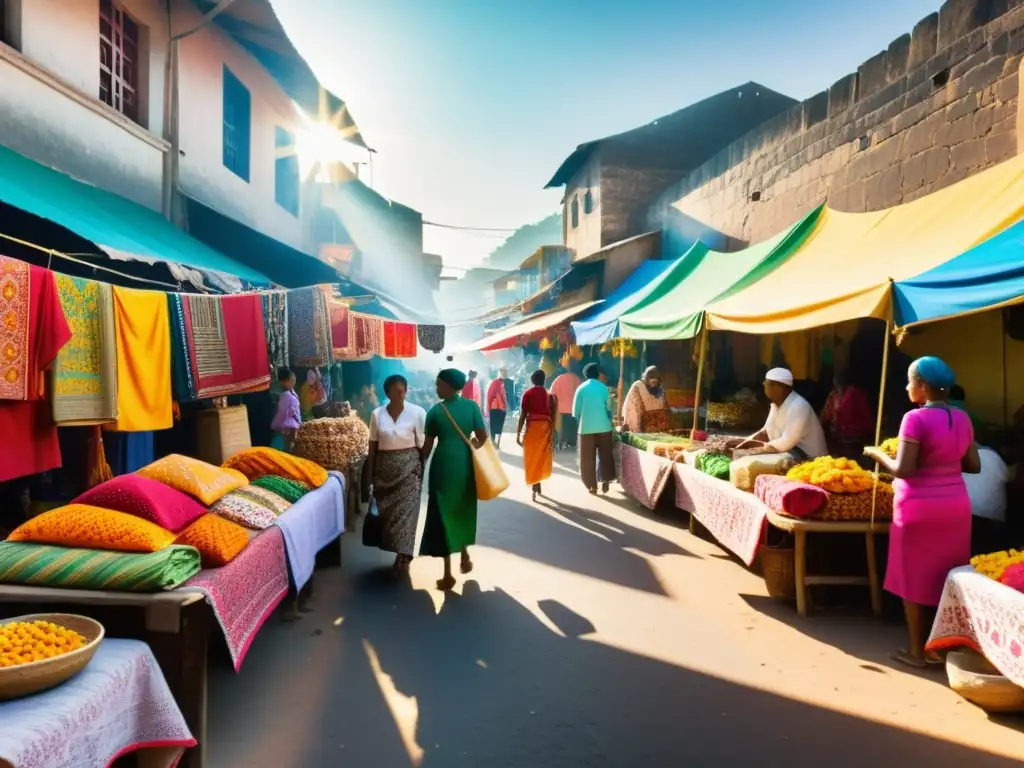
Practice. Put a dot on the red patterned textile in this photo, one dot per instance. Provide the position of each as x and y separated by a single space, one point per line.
399 339
642 475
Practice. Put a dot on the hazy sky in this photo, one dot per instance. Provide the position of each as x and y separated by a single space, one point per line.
473 104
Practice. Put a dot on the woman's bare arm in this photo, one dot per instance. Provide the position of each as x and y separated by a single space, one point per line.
428 446
905 463
971 463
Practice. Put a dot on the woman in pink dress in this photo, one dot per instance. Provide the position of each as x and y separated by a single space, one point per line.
931 527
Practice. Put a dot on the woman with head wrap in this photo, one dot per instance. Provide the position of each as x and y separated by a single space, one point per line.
646 409
931 527
537 413
451 487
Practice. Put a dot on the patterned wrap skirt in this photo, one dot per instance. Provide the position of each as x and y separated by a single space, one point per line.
397 483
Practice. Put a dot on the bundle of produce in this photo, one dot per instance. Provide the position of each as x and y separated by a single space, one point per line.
834 475
715 445
656 421
681 418
680 398
333 443
743 473
851 507
667 450
741 410
716 465
890 447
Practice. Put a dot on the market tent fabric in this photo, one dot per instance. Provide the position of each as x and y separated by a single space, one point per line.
844 268
115 224
712 275
602 324
987 276
507 338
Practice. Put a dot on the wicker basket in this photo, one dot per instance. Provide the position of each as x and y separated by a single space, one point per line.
333 443
973 677
778 567
221 433
26 679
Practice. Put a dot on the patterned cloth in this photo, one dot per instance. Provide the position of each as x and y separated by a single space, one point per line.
980 613
120 703
14 322
289 490
431 337
309 328
312 523
399 340
194 477
275 319
48 566
85 373
341 331
246 591
368 334
735 518
244 510
149 499
397 486
256 462
80 525
643 475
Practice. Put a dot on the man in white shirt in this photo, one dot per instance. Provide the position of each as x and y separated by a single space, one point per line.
792 426
987 492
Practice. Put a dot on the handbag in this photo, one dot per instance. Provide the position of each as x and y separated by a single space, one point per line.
491 479
371 525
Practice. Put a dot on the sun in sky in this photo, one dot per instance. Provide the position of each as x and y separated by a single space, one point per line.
322 140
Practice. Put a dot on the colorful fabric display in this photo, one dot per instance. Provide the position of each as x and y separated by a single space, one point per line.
219 541
198 479
309 328
289 490
794 498
149 499
431 337
81 525
399 340
143 334
275 320
254 463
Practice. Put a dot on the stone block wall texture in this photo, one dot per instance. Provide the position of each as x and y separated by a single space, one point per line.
936 106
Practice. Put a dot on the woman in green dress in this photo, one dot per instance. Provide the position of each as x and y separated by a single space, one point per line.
451 487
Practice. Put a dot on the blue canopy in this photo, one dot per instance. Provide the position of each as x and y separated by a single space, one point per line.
989 275
602 324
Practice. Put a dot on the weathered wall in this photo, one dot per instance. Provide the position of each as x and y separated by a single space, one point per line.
585 238
936 106
622 260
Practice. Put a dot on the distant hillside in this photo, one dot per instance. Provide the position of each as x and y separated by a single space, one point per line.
524 241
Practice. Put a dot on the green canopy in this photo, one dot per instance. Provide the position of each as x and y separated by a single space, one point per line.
678 309
115 224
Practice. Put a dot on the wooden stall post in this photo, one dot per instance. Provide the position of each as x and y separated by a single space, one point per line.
881 407
622 376
700 375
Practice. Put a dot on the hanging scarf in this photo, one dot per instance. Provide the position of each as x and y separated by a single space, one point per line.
275 319
14 320
309 328
399 340
431 337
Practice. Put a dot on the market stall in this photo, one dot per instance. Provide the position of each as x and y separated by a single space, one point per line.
642 474
118 705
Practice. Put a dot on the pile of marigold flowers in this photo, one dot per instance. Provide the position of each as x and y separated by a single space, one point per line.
834 475
23 642
995 564
890 447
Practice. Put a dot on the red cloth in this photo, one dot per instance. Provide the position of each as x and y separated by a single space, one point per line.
399 339
794 498
244 335
496 399
848 415
536 404
340 339
472 391
30 435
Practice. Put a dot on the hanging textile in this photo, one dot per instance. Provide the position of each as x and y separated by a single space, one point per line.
85 374
431 337
128 451
399 340
343 333
182 376
33 330
275 320
143 334
368 333
309 328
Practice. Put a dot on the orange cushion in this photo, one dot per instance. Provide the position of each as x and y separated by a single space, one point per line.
254 463
219 541
206 482
87 527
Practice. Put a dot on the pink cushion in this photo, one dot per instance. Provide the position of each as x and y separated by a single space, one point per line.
793 498
1013 577
149 499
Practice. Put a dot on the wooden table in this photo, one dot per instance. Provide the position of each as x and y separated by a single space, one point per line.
800 528
173 624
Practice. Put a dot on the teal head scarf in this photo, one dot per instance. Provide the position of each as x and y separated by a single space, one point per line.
934 372
453 377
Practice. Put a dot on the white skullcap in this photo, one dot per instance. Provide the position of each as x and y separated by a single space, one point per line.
781 375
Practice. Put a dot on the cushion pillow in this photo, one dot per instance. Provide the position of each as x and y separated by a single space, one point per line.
243 510
289 490
194 477
47 566
219 541
80 525
145 498
794 498
266 499
257 462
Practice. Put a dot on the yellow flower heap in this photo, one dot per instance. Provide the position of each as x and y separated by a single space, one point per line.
834 475
995 564
890 447
23 642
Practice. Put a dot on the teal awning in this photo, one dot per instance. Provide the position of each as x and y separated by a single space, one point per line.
115 224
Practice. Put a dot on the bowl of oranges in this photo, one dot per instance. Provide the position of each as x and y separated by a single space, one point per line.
42 650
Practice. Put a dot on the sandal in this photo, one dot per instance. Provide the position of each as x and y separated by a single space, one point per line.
446 584
466 566
904 657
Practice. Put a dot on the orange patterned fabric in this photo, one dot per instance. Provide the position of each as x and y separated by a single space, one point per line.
219 541
14 317
254 463
206 482
87 527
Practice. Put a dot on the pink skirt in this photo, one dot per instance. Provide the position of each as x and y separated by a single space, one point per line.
931 535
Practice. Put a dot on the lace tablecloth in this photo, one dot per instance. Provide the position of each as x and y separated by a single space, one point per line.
735 518
642 475
119 703
982 614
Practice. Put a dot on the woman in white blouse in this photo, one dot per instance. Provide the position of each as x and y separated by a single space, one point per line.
396 469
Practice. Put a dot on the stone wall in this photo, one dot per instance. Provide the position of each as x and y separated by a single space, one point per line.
936 106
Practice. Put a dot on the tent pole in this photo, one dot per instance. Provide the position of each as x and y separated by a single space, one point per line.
881 408
622 376
700 375
1006 395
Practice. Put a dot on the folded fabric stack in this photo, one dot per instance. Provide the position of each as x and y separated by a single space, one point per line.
714 464
155 529
791 497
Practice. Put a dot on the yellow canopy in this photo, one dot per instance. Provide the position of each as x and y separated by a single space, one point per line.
844 267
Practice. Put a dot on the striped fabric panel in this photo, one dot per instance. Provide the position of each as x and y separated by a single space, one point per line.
48 566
